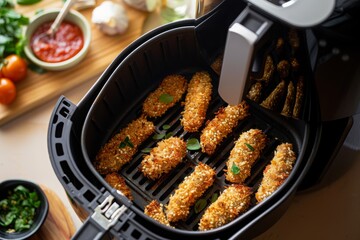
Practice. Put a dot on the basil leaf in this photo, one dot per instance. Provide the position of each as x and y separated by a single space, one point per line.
166 98
169 135
235 169
250 147
166 126
214 197
200 205
122 145
193 144
128 142
158 136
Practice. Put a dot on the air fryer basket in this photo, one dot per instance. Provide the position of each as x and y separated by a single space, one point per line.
116 99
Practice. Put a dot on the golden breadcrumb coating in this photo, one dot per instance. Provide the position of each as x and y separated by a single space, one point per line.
299 97
272 101
118 182
217 64
280 43
255 92
268 70
172 86
246 151
165 156
155 210
197 101
294 39
289 101
234 201
283 68
221 126
277 171
120 149
189 191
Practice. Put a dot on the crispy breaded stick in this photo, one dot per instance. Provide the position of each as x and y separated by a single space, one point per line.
165 156
299 97
255 92
294 39
155 210
272 101
268 71
120 148
197 101
283 68
165 96
118 182
189 191
289 101
231 203
277 171
221 125
246 151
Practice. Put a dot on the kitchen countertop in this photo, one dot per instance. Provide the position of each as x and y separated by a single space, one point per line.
329 212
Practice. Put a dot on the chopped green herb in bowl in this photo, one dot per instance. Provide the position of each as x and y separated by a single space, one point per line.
23 209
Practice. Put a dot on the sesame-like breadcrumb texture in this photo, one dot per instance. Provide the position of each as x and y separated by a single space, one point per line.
155 210
172 85
221 126
277 171
289 101
274 99
165 156
197 101
246 151
112 156
255 92
299 97
189 191
118 182
232 202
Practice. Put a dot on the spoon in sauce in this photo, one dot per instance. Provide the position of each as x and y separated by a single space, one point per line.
55 25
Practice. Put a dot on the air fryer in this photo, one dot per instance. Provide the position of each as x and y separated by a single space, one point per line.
76 132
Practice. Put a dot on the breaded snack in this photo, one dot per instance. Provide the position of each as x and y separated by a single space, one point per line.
189 191
272 101
283 68
277 171
165 96
165 156
289 101
246 151
155 210
234 201
118 182
197 101
294 39
217 64
120 148
299 97
221 125
255 92
268 71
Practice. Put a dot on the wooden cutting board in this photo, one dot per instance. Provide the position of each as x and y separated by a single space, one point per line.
58 224
37 89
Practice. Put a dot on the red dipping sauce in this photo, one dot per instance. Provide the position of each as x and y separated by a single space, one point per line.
64 44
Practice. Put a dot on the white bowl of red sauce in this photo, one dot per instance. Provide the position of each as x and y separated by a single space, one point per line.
66 48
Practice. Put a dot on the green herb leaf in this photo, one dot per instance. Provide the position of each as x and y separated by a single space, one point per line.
27 2
193 144
126 142
214 197
235 169
200 205
146 150
122 145
169 135
158 136
166 98
166 126
250 147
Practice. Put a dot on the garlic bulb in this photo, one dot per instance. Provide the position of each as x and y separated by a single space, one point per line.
144 5
110 17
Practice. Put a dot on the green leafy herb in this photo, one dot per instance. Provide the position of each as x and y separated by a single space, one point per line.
214 197
166 98
146 150
193 144
12 39
200 205
126 142
17 210
166 126
27 2
169 135
250 147
158 136
235 169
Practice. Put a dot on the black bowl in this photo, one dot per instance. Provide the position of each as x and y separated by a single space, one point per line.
40 214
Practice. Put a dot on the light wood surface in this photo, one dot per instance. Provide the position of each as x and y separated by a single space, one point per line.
37 89
58 224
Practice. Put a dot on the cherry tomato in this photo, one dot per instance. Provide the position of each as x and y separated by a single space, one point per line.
7 91
14 68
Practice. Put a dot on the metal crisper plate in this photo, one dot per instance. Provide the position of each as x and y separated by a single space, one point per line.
120 101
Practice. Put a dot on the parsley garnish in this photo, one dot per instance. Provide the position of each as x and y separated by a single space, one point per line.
214 197
126 142
193 144
235 169
146 150
250 147
200 205
166 98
